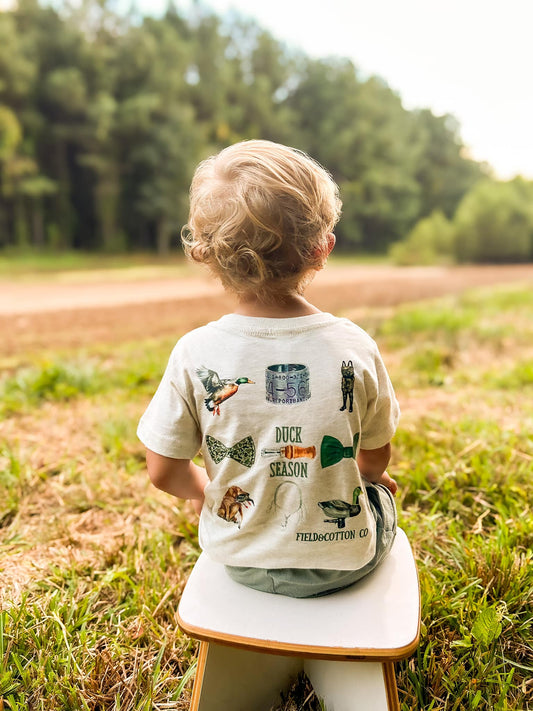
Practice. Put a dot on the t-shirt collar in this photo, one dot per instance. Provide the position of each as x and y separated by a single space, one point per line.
259 326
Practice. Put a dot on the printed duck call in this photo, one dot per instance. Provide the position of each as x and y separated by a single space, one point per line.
291 451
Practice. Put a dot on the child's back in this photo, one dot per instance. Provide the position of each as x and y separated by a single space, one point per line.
290 407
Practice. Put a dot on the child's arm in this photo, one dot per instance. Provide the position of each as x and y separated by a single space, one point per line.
372 464
179 477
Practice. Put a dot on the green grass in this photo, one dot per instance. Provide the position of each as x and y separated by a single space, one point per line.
93 558
66 377
34 262
481 314
44 264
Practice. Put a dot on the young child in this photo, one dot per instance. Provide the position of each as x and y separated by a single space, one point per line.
291 408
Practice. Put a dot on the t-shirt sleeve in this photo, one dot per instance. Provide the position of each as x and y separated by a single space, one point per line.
169 425
380 421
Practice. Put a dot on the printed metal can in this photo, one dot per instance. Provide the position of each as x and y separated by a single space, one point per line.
287 383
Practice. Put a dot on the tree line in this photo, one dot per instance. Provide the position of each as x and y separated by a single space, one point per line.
104 116
492 223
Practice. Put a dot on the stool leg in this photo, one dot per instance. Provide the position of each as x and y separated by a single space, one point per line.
389 674
353 685
232 679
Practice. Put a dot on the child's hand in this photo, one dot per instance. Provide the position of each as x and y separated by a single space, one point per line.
389 482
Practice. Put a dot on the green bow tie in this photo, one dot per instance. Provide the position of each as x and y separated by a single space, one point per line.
332 451
242 452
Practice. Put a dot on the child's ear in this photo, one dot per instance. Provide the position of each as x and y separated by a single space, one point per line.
331 242
325 251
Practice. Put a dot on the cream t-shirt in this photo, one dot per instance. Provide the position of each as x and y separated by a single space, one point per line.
278 409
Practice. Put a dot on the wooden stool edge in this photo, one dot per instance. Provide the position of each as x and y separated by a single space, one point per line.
393 654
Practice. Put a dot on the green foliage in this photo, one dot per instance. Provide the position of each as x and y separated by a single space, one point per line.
103 118
494 223
16 479
443 173
500 302
10 133
361 132
431 241
49 263
465 505
497 321
518 376
487 626
94 559
444 320
108 618
50 381
65 380
65 90
431 363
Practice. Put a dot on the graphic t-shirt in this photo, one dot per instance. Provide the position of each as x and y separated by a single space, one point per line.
278 409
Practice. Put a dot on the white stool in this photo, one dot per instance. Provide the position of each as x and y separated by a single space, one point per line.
254 644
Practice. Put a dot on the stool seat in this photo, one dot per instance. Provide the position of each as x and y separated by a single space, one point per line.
375 620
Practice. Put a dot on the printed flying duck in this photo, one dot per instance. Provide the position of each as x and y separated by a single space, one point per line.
218 389
341 510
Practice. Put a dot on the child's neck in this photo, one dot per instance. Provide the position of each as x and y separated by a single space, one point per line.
291 307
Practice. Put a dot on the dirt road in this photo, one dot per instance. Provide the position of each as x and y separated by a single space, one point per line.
37 316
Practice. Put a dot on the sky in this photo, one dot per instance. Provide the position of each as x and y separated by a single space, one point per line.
469 58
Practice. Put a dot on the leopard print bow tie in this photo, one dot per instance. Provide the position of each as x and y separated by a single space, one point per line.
242 452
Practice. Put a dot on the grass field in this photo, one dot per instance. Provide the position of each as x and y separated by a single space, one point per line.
28 264
31 264
93 559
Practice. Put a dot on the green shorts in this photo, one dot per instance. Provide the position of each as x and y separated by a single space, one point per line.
312 582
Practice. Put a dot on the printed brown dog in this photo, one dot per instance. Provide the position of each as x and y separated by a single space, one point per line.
232 505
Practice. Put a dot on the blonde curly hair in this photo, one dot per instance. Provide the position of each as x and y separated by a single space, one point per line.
260 216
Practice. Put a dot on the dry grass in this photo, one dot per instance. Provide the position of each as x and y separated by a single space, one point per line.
93 558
